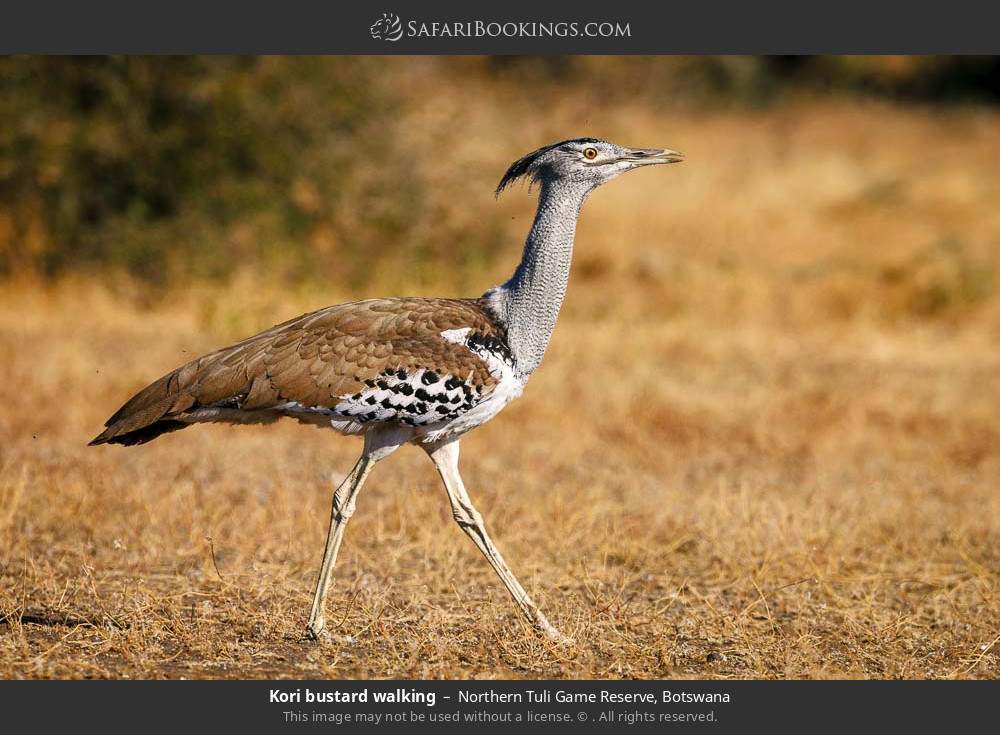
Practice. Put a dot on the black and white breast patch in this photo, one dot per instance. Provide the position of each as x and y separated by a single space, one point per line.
414 398
420 397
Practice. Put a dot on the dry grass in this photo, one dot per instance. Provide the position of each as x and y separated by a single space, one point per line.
764 443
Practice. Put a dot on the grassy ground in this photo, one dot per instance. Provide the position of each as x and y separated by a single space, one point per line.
764 442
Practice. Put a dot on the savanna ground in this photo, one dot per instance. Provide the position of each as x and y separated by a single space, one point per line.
764 442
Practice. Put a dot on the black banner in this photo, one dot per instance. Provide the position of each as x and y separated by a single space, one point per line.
515 27
529 706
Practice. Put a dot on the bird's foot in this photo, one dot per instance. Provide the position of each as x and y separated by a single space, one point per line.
559 639
317 631
546 628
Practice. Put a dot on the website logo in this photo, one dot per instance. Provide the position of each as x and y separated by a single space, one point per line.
387 28
390 28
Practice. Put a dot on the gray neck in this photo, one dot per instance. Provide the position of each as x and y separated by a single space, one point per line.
529 302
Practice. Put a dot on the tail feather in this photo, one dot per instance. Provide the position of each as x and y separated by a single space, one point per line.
148 414
137 436
210 380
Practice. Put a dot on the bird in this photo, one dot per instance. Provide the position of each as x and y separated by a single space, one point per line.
422 371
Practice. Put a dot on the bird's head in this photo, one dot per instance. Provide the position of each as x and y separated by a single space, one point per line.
585 161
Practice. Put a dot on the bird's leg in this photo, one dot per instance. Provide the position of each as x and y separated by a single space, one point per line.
344 500
379 444
445 458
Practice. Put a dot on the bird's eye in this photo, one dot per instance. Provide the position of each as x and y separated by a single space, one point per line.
590 153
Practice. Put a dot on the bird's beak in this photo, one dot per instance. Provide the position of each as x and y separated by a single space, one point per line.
651 156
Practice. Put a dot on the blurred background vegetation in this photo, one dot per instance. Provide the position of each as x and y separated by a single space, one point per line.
162 170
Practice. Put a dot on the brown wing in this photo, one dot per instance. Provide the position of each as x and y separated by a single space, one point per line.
313 360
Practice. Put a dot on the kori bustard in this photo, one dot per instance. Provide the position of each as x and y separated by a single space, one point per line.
402 370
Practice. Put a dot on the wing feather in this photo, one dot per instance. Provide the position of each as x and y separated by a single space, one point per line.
313 360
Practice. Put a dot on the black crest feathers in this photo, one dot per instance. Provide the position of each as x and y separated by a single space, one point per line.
522 166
